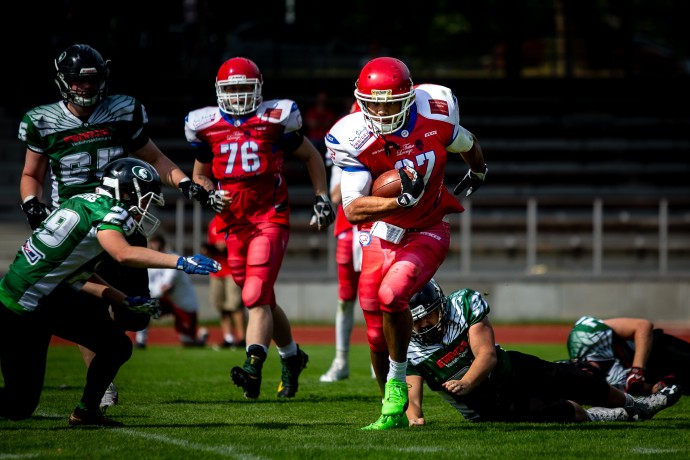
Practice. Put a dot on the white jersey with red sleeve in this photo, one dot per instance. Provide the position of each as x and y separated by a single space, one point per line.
433 129
248 158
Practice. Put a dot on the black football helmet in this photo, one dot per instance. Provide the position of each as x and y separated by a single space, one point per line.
136 184
422 304
80 62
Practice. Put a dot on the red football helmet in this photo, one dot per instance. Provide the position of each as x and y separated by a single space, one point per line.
235 72
385 79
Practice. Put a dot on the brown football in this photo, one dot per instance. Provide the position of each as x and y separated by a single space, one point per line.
388 185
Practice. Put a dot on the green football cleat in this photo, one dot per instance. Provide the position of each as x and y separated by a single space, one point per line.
395 398
389 422
248 377
291 369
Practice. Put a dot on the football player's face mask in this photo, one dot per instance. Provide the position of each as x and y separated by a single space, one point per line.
82 75
429 329
427 307
238 86
138 186
385 82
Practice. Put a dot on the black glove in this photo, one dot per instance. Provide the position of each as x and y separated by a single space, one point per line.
323 213
472 181
212 199
193 190
35 212
412 189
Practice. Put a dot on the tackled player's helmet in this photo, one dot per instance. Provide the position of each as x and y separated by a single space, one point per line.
82 62
422 304
137 185
385 79
234 72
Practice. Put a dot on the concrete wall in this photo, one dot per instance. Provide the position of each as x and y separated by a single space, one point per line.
512 300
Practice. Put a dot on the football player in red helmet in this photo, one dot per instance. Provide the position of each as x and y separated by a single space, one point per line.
242 143
238 86
385 94
404 239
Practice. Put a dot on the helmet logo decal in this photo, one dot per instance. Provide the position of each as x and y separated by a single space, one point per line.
88 71
142 173
383 94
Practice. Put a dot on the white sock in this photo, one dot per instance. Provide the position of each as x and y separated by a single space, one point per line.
344 322
342 357
289 350
396 370
142 335
229 338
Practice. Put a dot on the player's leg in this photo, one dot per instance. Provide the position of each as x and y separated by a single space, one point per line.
236 313
415 262
75 319
23 352
348 278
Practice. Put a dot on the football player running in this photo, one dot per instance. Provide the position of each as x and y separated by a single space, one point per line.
454 352
51 287
404 239
75 138
242 143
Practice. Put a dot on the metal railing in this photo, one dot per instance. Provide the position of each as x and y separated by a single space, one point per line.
530 236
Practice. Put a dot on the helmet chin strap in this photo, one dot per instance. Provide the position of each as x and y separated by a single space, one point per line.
388 144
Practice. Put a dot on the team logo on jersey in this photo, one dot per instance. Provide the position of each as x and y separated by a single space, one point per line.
360 138
86 136
203 120
274 113
142 173
438 107
406 149
32 253
364 238
404 133
453 355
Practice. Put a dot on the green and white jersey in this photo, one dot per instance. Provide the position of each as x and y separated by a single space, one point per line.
591 339
64 249
78 150
450 360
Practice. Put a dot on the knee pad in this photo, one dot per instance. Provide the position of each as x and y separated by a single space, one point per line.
397 288
252 292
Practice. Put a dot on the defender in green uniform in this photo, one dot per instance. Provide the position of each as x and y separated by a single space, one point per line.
630 353
73 140
454 352
51 288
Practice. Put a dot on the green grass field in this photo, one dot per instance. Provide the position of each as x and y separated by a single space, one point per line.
179 403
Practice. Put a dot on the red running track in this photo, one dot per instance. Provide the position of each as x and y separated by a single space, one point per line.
325 335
